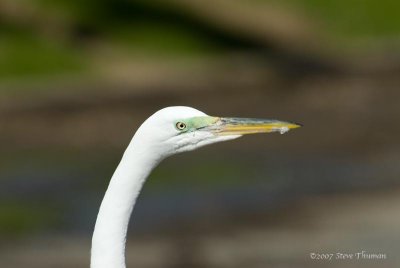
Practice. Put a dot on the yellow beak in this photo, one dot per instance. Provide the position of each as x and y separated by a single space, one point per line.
242 126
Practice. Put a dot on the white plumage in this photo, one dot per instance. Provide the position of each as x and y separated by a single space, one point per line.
167 132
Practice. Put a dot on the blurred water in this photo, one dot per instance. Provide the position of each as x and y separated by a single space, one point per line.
259 185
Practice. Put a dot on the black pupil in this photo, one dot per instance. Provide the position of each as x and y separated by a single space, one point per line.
181 125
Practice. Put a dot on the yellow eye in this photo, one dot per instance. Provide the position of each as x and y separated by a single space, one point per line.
180 125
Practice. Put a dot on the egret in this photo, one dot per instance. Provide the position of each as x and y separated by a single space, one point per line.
169 131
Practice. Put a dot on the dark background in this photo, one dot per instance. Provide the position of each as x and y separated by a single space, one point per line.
78 77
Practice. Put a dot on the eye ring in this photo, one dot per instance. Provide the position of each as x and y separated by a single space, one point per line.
180 125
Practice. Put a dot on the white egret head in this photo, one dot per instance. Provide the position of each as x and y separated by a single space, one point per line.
179 129
168 131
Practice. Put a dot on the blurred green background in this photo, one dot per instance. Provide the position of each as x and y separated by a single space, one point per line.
78 77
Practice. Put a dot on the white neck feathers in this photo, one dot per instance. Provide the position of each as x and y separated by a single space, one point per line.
109 237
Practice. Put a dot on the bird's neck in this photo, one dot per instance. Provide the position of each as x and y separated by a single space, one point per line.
108 242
